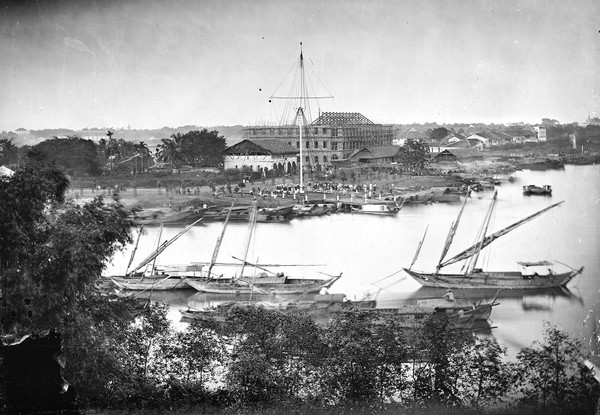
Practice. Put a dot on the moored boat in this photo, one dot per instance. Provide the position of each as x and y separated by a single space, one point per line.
152 279
377 208
156 283
509 280
263 283
242 213
475 278
532 189
318 305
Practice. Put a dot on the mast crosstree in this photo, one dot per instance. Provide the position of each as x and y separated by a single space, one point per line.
299 99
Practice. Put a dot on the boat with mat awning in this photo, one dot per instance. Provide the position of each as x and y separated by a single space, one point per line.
530 276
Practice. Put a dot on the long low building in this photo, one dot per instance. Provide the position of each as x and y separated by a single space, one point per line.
381 155
262 155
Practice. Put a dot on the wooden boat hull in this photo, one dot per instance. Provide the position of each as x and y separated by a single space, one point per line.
268 215
242 287
156 284
537 190
377 209
464 311
505 280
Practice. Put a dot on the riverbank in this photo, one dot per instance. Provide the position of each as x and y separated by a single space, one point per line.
188 190
164 202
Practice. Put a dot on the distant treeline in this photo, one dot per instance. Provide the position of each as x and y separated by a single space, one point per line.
83 157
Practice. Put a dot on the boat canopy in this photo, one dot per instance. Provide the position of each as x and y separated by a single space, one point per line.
535 264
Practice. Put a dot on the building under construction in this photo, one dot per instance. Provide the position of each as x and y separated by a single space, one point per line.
331 137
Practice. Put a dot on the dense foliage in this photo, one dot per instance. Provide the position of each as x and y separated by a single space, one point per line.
8 152
194 148
267 358
52 251
75 155
413 155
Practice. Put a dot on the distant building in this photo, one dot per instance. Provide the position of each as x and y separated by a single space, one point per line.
457 154
261 155
22 132
522 134
382 154
445 157
484 138
541 134
333 136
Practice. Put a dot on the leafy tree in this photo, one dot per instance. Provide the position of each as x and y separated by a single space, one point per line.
195 353
550 122
414 155
169 151
551 374
75 155
8 151
52 252
350 370
439 133
440 344
485 377
270 355
201 148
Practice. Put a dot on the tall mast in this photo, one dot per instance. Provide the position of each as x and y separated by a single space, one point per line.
300 119
134 249
491 238
218 243
452 232
418 248
300 122
483 232
299 102
251 226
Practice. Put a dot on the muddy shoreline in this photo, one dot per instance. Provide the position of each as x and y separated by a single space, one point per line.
433 185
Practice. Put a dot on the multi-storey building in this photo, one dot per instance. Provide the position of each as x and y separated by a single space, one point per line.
333 136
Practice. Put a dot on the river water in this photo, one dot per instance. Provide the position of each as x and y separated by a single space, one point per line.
371 252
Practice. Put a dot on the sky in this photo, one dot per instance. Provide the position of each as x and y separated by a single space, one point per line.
153 63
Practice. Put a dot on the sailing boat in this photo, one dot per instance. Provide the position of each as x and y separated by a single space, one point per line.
266 282
158 280
477 278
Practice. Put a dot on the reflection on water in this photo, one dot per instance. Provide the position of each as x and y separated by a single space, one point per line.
371 251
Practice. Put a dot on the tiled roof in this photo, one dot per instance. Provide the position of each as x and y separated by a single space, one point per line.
460 144
464 153
342 118
273 146
474 141
378 152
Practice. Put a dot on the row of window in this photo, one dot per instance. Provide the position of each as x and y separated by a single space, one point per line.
294 131
357 145
315 159
316 144
367 131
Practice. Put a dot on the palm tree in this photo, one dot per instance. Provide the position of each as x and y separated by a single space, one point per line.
169 151
143 151
113 152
